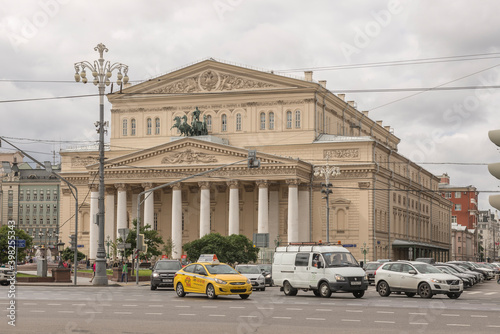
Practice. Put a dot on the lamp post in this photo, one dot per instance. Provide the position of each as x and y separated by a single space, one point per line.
365 250
101 71
108 241
60 249
327 171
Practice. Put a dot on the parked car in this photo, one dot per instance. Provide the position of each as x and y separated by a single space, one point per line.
478 277
466 279
428 260
416 277
162 275
254 274
370 268
5 274
468 265
267 271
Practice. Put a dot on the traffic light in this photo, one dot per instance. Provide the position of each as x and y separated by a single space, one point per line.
494 168
72 242
140 243
253 162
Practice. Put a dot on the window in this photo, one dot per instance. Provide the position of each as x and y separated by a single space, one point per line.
155 221
55 221
55 196
297 119
21 195
11 195
209 123
34 209
132 127
149 126
302 259
458 207
238 122
41 195
224 123
41 221
454 219
271 121
20 209
47 209
35 196
288 119
124 127
458 194
48 195
447 195
262 121
157 126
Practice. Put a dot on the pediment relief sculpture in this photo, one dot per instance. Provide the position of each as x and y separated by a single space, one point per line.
211 80
188 156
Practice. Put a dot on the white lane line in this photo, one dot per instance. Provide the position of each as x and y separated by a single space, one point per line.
154 313
66 311
93 312
327 303
155 305
315 319
458 325
287 318
493 326
413 313
216 315
190 314
473 292
236 306
385 312
117 312
37 311
419 323
32 304
265 308
248 316
129 305
356 320
478 316
78 304
209 306
131 300
324 309
184 306
293 309
450 315
490 293
385 322
54 304
354 311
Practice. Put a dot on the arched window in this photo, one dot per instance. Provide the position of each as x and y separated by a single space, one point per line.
125 125
271 121
157 126
238 122
149 125
209 123
288 119
132 127
262 121
224 123
297 119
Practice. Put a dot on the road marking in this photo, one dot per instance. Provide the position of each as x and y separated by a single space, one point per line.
327 303
350 320
419 323
385 322
493 326
129 305
93 312
354 311
324 309
182 306
31 304
117 312
315 319
450 315
190 314
478 316
38 311
385 312
154 313
209 306
237 307
287 318
54 304
459 325
131 300
66 311
248 316
473 292
293 309
490 293
155 305
216 315
78 304
417 313
265 308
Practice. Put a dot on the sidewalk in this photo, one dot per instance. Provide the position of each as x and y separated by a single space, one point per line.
80 281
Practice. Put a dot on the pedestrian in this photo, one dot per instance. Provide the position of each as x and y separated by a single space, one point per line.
125 271
65 264
93 274
88 263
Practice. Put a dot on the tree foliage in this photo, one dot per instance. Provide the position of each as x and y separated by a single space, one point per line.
68 254
229 249
4 243
151 238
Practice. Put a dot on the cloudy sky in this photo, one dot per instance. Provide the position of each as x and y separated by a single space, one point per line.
354 45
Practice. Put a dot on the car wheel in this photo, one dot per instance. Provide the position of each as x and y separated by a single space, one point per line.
316 293
359 294
424 290
410 294
453 295
244 296
5 283
180 290
324 290
383 289
288 289
153 287
263 289
211 292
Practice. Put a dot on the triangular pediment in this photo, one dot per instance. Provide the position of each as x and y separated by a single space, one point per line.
186 153
212 76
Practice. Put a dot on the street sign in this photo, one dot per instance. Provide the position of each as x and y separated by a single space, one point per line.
349 245
124 245
261 239
123 232
20 243
80 246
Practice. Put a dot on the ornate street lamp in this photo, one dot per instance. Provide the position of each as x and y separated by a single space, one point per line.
60 249
327 171
365 250
101 71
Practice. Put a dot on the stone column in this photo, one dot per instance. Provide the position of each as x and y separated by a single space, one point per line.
94 229
149 205
274 214
109 216
234 207
133 213
121 209
293 211
263 214
176 221
204 208
304 213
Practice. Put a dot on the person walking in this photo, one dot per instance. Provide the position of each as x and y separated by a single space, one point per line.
93 274
125 271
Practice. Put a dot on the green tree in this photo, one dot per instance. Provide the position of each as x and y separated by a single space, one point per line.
4 243
151 238
68 254
230 249
168 247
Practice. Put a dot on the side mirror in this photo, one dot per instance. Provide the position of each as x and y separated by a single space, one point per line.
151 268
319 264
412 272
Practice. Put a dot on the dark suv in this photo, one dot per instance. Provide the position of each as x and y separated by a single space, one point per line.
163 273
370 268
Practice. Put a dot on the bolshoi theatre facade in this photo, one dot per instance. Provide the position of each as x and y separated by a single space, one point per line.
380 201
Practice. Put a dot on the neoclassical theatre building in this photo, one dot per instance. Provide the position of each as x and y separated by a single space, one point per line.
380 201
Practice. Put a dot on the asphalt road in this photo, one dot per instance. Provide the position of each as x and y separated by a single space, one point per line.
137 309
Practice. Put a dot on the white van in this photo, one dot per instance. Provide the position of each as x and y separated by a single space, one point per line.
321 269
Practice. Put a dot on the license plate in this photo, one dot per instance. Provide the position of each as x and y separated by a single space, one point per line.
355 283
167 280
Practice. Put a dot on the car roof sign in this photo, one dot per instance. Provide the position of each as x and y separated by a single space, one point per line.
212 258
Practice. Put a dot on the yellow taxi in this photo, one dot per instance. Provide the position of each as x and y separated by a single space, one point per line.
210 277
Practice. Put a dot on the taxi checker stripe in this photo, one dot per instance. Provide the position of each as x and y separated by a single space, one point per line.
198 276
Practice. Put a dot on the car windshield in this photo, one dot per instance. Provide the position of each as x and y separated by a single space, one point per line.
337 259
424 268
372 266
170 265
248 269
265 267
215 269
